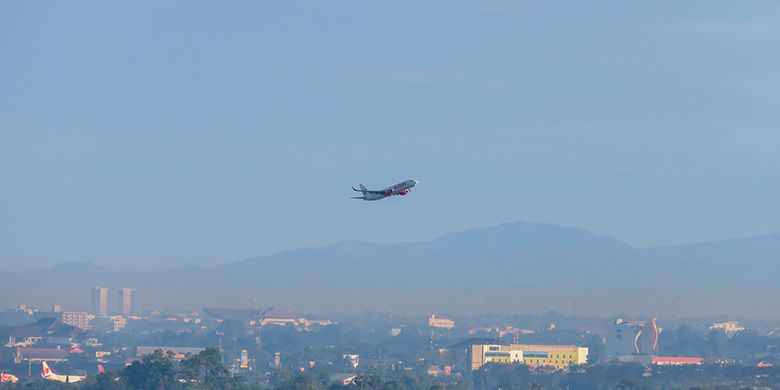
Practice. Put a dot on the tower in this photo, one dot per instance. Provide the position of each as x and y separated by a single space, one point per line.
100 301
125 301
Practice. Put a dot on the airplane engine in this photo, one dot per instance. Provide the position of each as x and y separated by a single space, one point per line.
404 192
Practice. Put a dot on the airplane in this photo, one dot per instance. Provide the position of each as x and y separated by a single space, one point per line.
47 373
401 188
8 378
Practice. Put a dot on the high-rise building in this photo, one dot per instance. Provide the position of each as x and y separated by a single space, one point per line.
100 301
125 302
56 309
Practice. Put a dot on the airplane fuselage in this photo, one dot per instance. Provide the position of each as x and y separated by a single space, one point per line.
8 378
48 374
401 188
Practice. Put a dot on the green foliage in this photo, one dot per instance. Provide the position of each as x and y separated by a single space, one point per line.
300 382
206 368
375 380
153 372
107 381
204 371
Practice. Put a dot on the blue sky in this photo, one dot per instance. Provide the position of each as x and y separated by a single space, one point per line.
149 135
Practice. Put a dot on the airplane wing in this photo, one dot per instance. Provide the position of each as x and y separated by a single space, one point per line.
368 191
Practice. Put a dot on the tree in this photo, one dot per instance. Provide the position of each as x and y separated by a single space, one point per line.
105 381
206 368
153 372
300 382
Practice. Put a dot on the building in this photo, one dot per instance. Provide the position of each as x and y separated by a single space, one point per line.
102 356
244 362
728 327
308 324
633 338
482 354
352 359
37 355
242 315
117 323
49 330
676 360
56 309
125 301
274 316
100 301
440 322
560 357
78 319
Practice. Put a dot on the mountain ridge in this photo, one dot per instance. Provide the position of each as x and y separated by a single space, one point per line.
512 267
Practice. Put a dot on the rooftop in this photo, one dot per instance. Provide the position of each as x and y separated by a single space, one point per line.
42 353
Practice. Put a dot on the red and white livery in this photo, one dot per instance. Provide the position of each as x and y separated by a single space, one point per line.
48 374
8 378
401 188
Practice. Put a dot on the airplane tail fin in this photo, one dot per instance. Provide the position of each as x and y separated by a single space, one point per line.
362 189
101 370
46 370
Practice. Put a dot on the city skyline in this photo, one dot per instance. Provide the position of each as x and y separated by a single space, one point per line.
406 195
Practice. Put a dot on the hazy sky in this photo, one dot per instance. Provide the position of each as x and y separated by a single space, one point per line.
154 134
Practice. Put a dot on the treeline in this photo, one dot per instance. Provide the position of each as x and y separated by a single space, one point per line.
204 371
628 376
389 379
743 346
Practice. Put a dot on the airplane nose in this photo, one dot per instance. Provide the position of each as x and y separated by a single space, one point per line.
415 181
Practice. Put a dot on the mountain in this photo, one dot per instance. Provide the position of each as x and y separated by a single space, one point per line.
510 268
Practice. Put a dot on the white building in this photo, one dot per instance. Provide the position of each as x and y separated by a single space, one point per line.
440 322
728 327
118 323
352 359
78 319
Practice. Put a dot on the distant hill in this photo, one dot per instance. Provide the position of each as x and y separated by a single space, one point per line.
510 268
